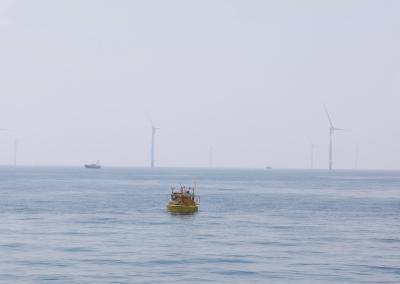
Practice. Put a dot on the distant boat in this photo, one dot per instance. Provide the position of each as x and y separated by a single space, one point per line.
93 166
268 168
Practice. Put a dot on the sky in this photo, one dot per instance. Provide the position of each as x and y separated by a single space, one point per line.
81 81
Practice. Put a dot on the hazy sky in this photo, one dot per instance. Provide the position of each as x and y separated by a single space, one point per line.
79 81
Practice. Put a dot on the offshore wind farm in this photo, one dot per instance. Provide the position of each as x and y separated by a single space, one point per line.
332 130
154 129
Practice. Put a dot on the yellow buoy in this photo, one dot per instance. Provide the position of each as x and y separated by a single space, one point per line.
183 200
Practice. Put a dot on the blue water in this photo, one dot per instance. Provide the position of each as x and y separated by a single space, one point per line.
73 225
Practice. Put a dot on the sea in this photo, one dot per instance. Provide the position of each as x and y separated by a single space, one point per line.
76 225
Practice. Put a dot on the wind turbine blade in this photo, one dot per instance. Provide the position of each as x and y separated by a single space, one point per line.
329 118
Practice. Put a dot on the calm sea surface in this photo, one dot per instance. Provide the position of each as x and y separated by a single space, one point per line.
73 225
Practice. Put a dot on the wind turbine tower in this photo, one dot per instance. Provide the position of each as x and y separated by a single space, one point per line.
153 134
332 130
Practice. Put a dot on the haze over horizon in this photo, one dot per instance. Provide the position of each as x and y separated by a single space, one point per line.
80 81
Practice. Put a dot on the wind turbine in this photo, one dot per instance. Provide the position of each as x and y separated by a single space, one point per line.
153 134
332 130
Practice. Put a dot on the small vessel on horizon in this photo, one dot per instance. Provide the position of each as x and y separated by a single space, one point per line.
183 201
93 166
